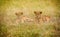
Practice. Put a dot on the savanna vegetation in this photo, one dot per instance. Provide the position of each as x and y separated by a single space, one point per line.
9 28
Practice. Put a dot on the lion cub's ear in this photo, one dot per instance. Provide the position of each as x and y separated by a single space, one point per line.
35 12
21 13
40 12
16 13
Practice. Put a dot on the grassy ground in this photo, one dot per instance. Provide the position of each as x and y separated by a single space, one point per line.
48 7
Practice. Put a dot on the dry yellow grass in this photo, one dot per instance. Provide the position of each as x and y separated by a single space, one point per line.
8 27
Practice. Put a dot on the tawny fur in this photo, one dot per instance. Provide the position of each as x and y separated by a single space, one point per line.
41 18
22 19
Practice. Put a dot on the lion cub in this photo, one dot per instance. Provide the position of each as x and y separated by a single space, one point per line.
22 18
41 18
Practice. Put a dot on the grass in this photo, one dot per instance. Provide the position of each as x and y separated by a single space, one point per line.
47 29
9 7
29 30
